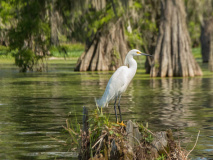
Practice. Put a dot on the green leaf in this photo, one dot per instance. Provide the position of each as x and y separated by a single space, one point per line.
111 132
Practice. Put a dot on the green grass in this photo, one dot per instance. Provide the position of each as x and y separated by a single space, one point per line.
69 54
67 50
71 50
72 60
196 52
7 60
204 66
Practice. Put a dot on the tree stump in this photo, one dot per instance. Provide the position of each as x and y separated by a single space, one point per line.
107 50
173 56
117 142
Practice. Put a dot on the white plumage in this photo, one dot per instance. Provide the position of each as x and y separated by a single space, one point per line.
115 87
120 80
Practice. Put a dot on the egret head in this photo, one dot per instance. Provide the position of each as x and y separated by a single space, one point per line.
134 52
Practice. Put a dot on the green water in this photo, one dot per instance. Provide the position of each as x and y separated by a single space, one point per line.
34 106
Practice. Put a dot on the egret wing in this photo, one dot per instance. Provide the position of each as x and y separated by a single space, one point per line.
117 83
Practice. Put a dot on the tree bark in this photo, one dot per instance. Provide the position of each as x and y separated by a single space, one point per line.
54 24
4 27
205 38
107 50
211 52
173 56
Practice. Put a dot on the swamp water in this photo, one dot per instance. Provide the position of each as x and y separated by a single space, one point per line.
35 106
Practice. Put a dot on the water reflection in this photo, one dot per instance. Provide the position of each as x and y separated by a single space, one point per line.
182 104
34 106
175 97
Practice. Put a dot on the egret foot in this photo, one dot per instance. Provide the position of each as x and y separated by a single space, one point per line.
121 124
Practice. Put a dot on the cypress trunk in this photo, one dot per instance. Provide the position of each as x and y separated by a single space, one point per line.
173 56
211 52
107 50
54 24
205 38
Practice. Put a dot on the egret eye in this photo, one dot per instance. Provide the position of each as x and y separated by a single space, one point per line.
138 52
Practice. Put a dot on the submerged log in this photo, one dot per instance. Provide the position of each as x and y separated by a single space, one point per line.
107 140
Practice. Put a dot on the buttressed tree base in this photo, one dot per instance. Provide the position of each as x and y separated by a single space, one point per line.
173 56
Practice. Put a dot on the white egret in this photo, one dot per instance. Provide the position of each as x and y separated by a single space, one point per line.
119 82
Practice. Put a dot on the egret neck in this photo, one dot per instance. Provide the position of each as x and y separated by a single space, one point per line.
132 65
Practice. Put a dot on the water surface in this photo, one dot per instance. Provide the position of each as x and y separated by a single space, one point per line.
34 106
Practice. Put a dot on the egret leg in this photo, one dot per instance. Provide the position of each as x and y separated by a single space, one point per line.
119 108
122 123
101 112
115 109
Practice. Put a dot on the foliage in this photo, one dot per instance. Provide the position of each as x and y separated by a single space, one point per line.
5 52
85 19
25 59
147 137
194 14
197 11
97 19
93 18
30 26
103 136
31 34
6 7
7 20
194 31
98 124
143 18
74 130
161 157
135 38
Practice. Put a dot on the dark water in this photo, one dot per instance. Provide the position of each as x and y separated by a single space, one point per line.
34 106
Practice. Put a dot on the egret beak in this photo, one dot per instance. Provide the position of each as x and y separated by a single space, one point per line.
146 54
